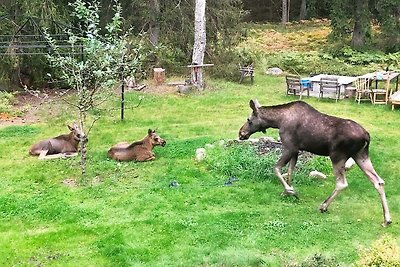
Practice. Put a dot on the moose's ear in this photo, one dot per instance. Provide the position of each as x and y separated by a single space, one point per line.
149 131
70 127
254 105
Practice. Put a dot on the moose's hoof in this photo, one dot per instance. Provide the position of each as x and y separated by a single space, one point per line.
386 223
323 208
290 192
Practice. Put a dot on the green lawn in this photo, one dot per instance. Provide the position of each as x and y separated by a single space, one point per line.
133 218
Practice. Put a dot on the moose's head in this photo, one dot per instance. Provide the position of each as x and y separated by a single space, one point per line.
254 122
76 132
156 140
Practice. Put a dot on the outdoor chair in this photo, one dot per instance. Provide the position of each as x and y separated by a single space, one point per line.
329 85
246 71
378 96
362 89
295 86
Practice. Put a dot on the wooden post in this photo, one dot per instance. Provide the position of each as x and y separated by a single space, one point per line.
159 76
122 99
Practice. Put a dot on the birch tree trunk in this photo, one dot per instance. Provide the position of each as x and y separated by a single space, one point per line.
199 46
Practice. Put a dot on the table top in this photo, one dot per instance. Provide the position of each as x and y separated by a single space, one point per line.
381 75
341 79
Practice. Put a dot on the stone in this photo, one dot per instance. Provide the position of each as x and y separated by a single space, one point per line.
274 71
185 89
208 146
201 153
317 174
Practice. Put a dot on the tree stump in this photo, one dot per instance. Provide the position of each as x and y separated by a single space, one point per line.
159 76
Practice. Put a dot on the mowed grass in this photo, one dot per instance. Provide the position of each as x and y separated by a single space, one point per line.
130 216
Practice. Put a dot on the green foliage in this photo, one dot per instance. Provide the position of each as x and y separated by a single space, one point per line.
6 101
343 61
242 160
384 252
389 18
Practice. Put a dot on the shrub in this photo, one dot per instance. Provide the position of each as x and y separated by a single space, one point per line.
6 100
384 252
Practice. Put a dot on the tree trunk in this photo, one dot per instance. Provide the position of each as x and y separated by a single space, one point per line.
284 12
154 27
199 46
303 10
361 24
83 142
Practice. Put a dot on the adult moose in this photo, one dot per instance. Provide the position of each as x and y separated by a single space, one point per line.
60 146
137 151
301 127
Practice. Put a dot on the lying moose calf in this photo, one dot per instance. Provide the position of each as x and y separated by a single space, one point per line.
137 151
64 145
301 127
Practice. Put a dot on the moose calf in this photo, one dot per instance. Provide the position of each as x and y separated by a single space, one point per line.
66 144
137 151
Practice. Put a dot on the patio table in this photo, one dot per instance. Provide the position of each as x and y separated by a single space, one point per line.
387 77
344 82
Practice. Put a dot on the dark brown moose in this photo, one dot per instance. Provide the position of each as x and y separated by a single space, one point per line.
137 151
60 146
301 127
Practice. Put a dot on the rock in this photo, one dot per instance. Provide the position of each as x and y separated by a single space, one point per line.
267 139
208 146
200 154
317 174
274 71
349 163
185 89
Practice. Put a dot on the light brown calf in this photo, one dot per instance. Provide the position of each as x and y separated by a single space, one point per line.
137 151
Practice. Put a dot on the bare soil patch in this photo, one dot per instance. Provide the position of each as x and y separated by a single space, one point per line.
27 104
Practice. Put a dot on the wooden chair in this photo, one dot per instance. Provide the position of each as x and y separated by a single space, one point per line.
379 96
362 89
246 71
329 85
294 86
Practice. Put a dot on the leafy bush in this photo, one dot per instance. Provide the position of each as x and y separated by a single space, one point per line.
384 252
6 100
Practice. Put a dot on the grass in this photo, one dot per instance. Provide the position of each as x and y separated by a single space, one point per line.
133 218
128 215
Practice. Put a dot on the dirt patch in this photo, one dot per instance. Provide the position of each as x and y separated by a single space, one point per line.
70 183
26 106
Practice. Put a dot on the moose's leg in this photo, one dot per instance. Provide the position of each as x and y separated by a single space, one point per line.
366 165
292 165
42 154
341 182
285 158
